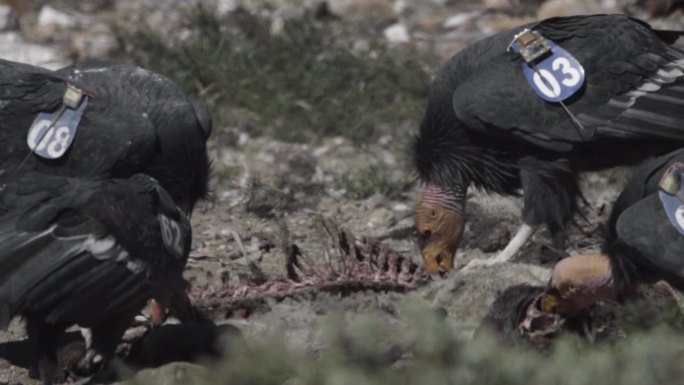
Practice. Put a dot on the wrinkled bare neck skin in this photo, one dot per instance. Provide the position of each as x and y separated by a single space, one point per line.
594 290
580 281
451 199
440 222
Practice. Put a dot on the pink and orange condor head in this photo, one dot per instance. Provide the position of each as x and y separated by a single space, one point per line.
440 221
577 282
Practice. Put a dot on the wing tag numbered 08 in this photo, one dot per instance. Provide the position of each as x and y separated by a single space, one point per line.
552 72
51 134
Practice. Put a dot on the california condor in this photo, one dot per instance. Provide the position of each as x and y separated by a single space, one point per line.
644 242
133 121
85 252
485 126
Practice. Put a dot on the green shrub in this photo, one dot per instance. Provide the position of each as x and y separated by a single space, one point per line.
298 84
427 352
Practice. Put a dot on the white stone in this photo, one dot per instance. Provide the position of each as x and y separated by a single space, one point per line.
14 48
340 7
52 17
397 33
226 6
400 207
458 19
243 138
8 19
320 151
399 6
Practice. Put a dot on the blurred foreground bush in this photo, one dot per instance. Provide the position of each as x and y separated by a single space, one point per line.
422 349
294 79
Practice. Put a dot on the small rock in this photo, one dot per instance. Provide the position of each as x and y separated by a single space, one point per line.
379 217
320 151
294 381
400 6
8 18
300 166
397 34
345 8
404 229
400 207
52 17
253 245
385 140
265 201
375 201
277 25
94 44
458 20
14 47
494 4
226 6
243 138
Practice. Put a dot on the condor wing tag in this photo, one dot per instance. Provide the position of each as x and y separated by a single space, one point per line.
51 134
172 235
552 72
672 195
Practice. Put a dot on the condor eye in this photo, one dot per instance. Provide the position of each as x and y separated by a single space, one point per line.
567 291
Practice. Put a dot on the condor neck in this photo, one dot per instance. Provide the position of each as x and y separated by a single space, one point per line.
449 198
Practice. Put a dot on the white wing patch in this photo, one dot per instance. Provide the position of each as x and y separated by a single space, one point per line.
671 72
108 249
99 246
136 266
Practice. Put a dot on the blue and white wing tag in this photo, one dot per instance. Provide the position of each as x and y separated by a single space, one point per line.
51 134
552 72
173 236
672 195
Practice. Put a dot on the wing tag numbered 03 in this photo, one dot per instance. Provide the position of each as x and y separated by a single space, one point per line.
553 73
51 134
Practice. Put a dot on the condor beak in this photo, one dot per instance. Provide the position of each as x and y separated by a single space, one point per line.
157 312
440 232
549 302
177 305
437 258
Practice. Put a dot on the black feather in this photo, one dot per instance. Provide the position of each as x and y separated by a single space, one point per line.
86 252
484 126
641 242
136 121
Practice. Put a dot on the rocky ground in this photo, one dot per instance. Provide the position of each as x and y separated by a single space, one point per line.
275 200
